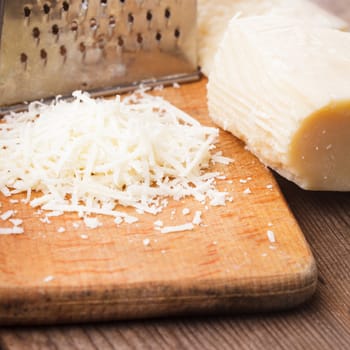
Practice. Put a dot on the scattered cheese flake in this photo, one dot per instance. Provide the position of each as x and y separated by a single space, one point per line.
84 236
197 218
243 181
13 201
247 191
271 236
219 158
269 186
158 87
219 198
92 222
7 214
5 191
185 227
55 213
118 220
158 223
76 224
185 211
172 214
45 220
61 229
146 242
270 224
176 85
11 231
48 279
16 222
131 219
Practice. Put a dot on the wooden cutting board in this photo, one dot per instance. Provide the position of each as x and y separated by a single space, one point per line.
227 264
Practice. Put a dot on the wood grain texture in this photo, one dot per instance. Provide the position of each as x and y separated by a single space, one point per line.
228 264
323 323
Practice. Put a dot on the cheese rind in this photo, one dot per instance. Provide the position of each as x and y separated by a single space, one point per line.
283 86
214 16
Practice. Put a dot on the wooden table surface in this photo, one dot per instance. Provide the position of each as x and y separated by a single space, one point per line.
322 323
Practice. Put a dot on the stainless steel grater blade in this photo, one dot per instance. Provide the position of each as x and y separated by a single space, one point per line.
50 48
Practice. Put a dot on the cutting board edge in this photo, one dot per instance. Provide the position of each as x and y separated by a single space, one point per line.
79 305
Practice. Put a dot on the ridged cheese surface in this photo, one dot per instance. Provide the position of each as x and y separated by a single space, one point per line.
214 16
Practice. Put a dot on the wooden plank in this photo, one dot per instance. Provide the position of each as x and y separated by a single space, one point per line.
228 264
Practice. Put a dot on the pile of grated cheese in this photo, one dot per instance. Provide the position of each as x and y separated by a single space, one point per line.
96 155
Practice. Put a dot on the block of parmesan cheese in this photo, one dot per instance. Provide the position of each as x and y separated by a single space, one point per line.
214 16
283 87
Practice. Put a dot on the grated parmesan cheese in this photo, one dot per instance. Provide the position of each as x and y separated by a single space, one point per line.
146 242
92 155
7 214
197 217
271 236
15 230
16 222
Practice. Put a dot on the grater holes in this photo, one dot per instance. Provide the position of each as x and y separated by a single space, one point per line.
27 11
43 54
120 41
65 6
131 18
111 21
149 15
101 41
46 8
139 38
103 2
84 4
82 47
23 58
177 33
63 50
36 33
74 26
55 29
158 36
93 23
167 13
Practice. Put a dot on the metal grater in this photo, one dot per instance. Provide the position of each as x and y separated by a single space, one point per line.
50 48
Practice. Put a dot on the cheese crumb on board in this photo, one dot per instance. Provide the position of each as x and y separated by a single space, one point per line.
185 211
94 156
278 83
178 228
197 217
271 236
146 242
92 222
16 222
48 279
7 214
15 230
214 17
